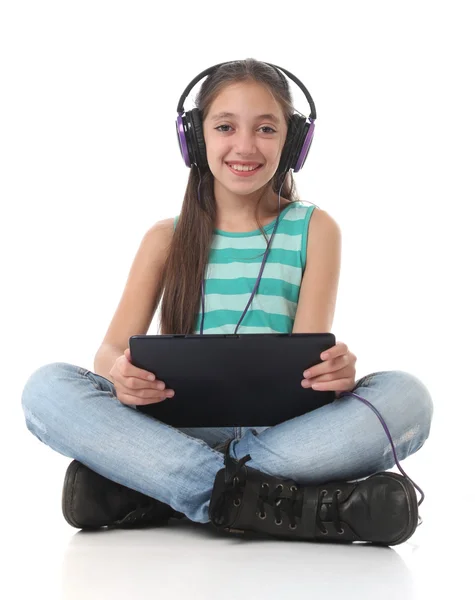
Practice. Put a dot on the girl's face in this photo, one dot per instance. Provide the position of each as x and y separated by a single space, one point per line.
244 136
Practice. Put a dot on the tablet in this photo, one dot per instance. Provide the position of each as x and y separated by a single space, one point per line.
228 380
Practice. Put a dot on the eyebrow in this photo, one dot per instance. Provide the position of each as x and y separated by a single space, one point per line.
267 116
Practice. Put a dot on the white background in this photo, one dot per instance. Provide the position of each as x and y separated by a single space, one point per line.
89 160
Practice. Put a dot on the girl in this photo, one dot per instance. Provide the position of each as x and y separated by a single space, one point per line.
320 476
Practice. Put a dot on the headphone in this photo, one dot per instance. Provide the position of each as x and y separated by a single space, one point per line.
189 129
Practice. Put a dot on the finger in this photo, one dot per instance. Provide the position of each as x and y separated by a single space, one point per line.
346 371
141 401
147 394
142 373
316 370
138 382
328 366
337 350
166 395
337 385
154 393
141 388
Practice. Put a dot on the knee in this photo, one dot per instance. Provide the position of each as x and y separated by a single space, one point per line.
37 398
415 407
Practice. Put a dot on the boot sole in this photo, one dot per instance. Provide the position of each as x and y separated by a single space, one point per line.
67 496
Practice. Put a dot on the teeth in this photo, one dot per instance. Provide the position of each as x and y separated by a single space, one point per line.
243 167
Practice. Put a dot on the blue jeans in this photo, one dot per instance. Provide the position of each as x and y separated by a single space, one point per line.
76 412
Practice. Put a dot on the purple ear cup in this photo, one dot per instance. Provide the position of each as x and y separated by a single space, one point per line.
180 132
306 146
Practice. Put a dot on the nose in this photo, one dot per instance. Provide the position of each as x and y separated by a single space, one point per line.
245 144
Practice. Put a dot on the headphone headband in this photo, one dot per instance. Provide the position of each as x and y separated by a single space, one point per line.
193 82
189 129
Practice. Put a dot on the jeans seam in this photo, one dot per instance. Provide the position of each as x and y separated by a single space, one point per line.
364 381
89 375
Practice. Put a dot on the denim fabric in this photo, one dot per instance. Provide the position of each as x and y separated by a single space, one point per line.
76 412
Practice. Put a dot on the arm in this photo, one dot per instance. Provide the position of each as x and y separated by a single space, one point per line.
319 287
105 358
139 299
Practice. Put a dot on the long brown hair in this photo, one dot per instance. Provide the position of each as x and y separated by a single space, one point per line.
189 249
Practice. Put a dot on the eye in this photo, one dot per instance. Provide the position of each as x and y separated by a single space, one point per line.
267 127
263 127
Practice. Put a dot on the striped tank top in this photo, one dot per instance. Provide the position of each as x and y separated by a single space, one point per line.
233 267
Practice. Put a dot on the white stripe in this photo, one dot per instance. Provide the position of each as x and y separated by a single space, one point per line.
283 241
234 270
270 304
231 328
297 213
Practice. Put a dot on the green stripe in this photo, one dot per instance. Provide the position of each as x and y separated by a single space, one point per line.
252 318
245 285
287 226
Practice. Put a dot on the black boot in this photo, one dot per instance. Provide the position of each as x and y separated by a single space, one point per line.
91 501
381 509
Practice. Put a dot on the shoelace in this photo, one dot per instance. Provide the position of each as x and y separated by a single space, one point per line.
232 490
144 513
278 502
292 506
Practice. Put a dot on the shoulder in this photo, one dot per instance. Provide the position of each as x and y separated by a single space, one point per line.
322 227
163 228
159 236
323 242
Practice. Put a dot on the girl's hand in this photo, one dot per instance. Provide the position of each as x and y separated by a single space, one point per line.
133 385
336 372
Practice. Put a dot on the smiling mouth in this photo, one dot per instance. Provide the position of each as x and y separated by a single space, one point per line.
247 171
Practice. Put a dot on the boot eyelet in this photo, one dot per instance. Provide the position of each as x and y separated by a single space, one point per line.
324 492
338 492
264 485
280 486
235 481
341 530
237 503
278 522
293 488
325 532
261 515
292 526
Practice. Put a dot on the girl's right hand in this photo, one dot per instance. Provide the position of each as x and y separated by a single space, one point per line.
132 384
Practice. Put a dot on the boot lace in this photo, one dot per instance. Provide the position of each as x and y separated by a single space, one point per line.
144 511
279 501
142 514
232 490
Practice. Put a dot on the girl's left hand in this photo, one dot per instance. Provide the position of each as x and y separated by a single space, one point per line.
336 372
